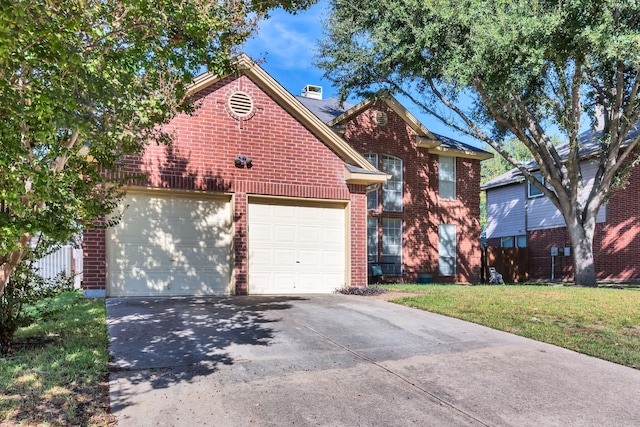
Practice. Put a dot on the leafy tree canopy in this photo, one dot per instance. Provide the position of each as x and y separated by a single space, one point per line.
96 78
526 65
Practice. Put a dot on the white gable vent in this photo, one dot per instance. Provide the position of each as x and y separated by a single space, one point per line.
240 104
381 118
312 91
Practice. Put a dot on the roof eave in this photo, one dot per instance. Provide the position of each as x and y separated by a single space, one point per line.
362 178
466 154
426 142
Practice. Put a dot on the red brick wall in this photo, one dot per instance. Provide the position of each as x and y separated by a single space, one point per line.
422 210
616 242
288 160
358 235
94 259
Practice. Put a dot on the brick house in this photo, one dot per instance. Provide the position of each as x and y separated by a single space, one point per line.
256 195
424 221
518 215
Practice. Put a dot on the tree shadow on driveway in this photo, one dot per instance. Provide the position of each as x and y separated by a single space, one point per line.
158 342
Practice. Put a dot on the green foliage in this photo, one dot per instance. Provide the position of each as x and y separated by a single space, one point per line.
498 165
526 66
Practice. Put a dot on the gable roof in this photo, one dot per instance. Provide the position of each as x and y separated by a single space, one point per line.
335 114
589 146
365 172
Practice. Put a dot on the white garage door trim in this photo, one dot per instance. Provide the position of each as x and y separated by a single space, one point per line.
170 244
296 246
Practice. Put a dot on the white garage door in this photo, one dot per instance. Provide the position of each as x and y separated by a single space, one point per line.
170 245
296 249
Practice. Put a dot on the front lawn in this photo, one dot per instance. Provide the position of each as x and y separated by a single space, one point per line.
58 373
600 322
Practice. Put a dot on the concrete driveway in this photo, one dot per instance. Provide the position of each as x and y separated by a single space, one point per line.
337 360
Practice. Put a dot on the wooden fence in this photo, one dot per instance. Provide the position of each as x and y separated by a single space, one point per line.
512 263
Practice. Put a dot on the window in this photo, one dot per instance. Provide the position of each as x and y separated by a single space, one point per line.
392 246
508 242
372 197
447 249
533 191
372 239
392 188
447 177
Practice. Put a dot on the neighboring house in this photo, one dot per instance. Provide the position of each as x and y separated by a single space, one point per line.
256 195
518 215
424 220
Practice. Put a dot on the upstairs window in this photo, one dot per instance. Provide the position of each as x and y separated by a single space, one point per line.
372 197
392 189
447 177
533 191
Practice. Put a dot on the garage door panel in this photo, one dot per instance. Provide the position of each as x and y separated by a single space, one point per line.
332 236
310 236
332 259
170 245
302 243
284 258
284 234
139 283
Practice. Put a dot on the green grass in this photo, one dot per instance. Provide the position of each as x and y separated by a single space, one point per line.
58 374
600 322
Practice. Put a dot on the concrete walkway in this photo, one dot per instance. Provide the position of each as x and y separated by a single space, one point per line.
336 360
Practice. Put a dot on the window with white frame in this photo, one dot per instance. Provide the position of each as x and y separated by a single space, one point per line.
392 188
447 249
372 196
447 177
372 239
533 190
392 246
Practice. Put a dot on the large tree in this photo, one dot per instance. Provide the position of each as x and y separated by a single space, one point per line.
496 69
84 83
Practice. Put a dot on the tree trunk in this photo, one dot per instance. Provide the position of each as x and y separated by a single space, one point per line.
583 261
11 260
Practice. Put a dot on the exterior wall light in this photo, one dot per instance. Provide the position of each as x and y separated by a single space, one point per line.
242 161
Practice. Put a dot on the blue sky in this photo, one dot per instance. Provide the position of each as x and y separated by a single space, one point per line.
287 45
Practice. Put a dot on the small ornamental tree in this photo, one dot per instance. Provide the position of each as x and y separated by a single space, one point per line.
84 83
526 66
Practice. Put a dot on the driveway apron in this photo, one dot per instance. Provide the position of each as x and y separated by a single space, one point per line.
338 360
